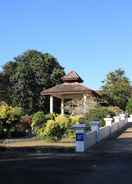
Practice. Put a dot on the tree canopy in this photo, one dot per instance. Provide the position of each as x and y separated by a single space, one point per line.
25 78
116 88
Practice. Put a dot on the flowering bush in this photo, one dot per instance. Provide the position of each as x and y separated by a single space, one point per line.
9 117
58 126
75 119
55 128
63 121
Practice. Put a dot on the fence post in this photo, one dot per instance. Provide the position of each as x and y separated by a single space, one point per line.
108 122
122 116
80 137
126 119
130 118
95 125
116 119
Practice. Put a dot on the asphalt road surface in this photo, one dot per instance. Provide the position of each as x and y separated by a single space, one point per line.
107 163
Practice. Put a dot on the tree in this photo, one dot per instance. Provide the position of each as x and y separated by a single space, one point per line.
4 97
116 88
27 75
129 106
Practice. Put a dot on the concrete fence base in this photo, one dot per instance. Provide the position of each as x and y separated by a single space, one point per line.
84 140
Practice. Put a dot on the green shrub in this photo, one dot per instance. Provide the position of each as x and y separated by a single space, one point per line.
51 116
53 130
129 106
114 110
99 113
57 127
63 121
75 119
38 120
15 113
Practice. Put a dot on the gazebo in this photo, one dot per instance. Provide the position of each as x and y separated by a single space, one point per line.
71 88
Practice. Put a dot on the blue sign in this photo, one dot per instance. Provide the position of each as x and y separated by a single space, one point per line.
79 137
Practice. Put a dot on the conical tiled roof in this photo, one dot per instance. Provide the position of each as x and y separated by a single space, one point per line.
70 86
72 76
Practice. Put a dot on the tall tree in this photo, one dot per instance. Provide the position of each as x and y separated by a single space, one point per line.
2 88
116 88
27 75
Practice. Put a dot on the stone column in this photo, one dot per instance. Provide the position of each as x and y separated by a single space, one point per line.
116 119
84 103
51 104
62 106
108 121
95 126
122 116
80 137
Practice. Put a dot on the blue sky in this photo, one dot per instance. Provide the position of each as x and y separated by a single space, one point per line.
92 37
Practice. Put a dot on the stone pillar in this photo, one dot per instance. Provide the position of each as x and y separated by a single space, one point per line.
62 106
108 121
130 118
84 103
95 125
116 119
80 137
122 116
51 104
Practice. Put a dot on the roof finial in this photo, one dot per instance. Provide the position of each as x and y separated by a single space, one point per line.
72 76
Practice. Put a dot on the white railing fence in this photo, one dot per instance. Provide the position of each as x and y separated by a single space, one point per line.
84 140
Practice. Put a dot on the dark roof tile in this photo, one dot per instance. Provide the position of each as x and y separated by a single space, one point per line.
69 88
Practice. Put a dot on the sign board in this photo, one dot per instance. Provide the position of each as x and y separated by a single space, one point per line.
80 137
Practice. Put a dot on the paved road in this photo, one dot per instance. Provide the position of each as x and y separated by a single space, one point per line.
109 162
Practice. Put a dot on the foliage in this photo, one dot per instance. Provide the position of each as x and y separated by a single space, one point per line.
114 109
38 119
99 113
116 89
26 119
25 124
25 78
58 126
3 88
9 118
55 129
129 106
75 119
